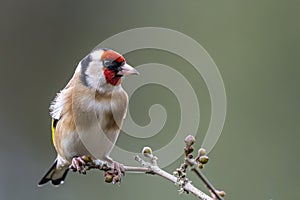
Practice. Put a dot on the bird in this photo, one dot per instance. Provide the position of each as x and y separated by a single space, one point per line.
88 113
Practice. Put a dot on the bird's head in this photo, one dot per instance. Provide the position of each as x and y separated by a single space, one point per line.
104 68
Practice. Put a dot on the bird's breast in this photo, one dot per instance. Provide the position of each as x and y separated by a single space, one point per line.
105 112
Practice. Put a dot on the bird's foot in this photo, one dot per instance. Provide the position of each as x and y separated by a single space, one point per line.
118 169
79 163
115 174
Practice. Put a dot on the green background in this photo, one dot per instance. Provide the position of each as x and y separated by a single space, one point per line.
255 45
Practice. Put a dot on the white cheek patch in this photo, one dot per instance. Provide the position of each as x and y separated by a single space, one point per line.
94 75
95 78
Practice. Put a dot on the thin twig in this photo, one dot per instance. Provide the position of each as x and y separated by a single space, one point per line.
194 168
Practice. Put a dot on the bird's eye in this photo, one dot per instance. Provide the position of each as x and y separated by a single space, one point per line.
107 63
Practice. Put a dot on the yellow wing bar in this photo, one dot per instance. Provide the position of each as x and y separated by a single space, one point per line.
53 126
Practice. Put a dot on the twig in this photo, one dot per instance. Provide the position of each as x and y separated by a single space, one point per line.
194 168
187 186
196 164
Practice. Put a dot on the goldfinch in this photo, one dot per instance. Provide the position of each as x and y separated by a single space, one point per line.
91 104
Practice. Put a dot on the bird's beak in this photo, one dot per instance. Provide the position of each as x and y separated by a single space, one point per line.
127 69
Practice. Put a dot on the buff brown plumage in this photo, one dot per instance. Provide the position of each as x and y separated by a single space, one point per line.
88 113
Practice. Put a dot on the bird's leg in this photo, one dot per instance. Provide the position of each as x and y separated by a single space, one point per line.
79 163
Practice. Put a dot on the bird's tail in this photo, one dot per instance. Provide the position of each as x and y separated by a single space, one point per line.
55 175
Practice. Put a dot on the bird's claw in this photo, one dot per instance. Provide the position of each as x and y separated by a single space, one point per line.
118 169
79 163
115 174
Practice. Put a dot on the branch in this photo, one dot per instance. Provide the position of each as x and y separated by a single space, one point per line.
178 177
152 168
187 186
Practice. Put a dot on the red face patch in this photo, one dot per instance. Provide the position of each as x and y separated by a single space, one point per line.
112 55
111 77
110 71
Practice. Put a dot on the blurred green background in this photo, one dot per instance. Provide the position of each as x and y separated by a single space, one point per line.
255 44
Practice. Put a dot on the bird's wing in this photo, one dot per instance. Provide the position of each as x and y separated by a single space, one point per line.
53 127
